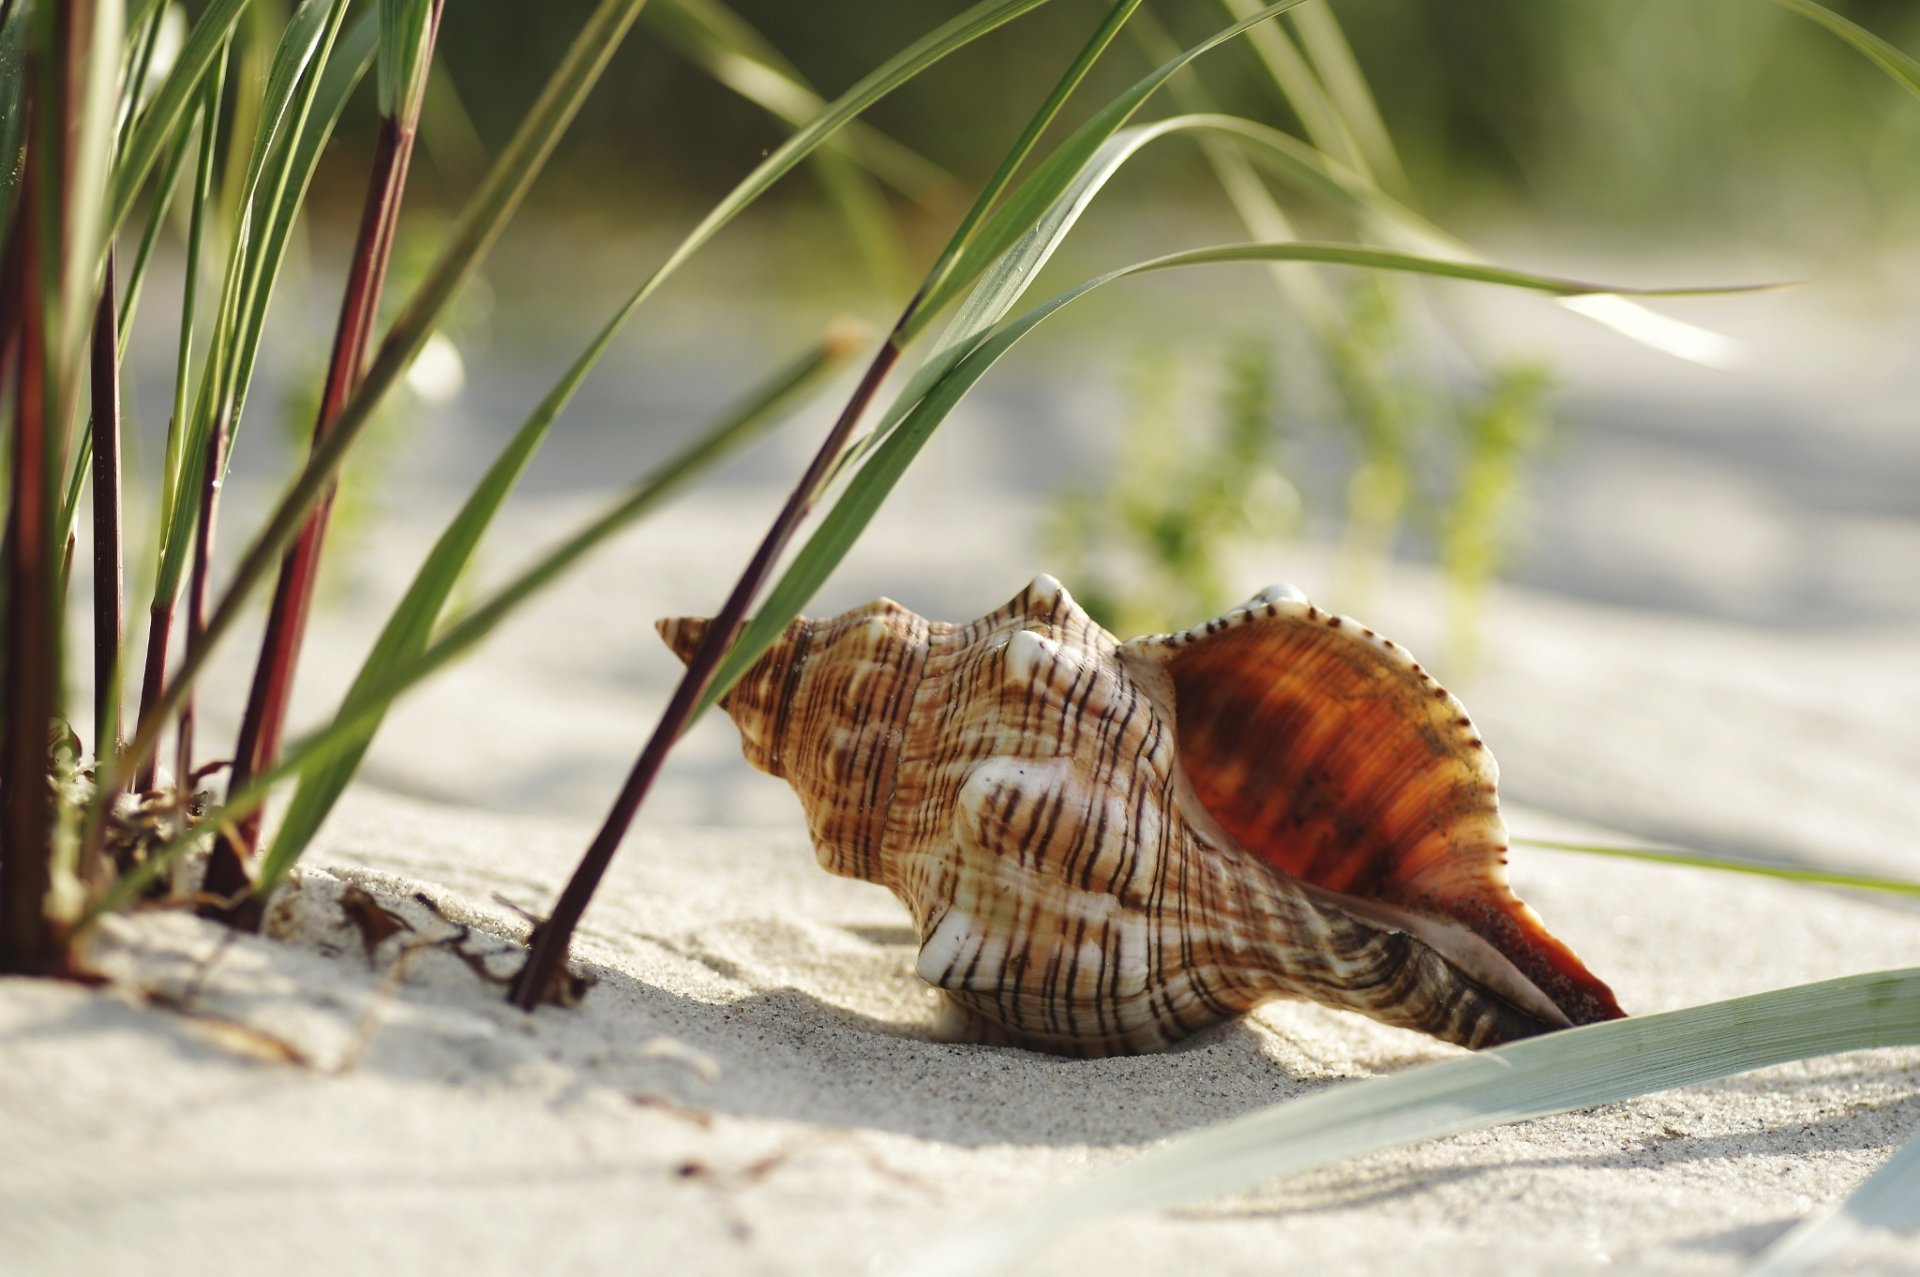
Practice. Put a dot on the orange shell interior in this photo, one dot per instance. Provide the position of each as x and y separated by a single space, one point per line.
1329 754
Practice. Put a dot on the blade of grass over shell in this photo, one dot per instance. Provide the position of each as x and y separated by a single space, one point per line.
1886 56
475 232
203 47
1890 1200
403 656
1727 864
875 479
1575 1068
552 938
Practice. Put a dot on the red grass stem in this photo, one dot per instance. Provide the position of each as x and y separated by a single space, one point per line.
552 938
30 940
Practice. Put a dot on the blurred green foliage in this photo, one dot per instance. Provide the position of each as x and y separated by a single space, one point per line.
1703 115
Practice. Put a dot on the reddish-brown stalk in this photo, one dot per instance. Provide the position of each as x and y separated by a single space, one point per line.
31 940
267 701
153 681
552 938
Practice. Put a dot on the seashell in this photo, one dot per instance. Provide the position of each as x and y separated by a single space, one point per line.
1108 846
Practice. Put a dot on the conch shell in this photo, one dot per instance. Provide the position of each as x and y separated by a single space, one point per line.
1109 846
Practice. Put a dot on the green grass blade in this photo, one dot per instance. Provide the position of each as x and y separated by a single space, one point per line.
204 45
199 211
1725 864
1882 54
1890 1200
345 67
1299 84
404 27
1346 85
1576 1068
871 484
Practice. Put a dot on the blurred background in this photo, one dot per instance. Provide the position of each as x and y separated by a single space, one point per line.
1674 582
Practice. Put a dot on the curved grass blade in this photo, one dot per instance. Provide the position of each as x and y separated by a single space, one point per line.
1701 860
1575 1068
402 657
1890 1200
917 420
203 47
1878 51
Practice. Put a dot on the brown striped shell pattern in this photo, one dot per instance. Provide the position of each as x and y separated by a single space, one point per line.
1109 846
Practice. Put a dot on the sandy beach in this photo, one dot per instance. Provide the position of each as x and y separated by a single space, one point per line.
749 1085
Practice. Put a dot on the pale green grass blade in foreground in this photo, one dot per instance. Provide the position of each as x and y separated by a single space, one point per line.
1575 1068
90 137
1884 55
402 657
1701 860
870 486
1890 1199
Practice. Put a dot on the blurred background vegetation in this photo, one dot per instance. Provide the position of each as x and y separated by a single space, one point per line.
1699 116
